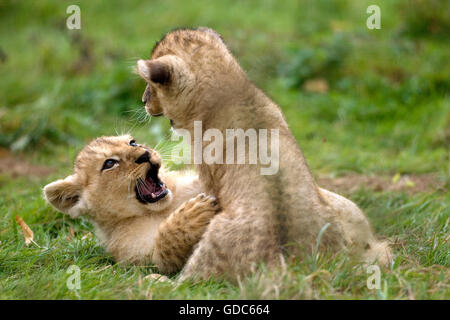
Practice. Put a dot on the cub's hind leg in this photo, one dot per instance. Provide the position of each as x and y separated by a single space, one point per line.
232 247
181 231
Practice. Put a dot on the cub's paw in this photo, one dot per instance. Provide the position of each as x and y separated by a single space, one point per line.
155 277
202 207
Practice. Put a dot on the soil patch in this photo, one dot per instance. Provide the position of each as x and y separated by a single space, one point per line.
14 166
410 183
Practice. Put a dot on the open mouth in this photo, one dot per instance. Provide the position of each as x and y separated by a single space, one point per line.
150 189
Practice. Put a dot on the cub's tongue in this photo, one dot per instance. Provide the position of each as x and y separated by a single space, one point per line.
148 187
151 188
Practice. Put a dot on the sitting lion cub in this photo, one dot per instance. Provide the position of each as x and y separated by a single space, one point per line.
193 78
141 214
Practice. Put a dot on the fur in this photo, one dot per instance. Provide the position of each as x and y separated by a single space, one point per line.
262 217
162 233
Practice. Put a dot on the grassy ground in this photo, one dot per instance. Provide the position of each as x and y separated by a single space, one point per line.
371 103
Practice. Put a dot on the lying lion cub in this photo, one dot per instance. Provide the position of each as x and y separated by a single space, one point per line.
141 214
192 76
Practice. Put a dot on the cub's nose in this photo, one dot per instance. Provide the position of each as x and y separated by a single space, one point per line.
143 158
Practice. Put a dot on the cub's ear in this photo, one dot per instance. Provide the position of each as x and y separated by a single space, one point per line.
155 71
65 196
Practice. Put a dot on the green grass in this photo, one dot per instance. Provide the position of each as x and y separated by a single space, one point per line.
387 112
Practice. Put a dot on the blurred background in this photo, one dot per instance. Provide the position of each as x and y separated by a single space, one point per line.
356 99
369 108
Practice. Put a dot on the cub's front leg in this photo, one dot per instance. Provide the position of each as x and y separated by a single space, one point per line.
181 231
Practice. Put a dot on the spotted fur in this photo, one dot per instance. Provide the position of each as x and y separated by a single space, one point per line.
262 216
161 233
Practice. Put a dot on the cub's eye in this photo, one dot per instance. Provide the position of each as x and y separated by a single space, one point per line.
109 164
133 143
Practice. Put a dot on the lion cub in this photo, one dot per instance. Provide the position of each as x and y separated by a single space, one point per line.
192 76
141 213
